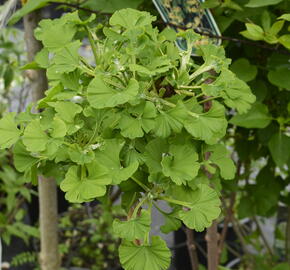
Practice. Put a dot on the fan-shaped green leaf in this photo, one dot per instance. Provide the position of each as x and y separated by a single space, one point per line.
80 187
23 161
100 95
108 156
220 157
170 121
34 137
257 117
130 18
155 256
180 164
8 130
204 208
135 228
209 126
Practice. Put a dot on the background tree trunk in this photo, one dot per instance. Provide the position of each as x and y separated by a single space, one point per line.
49 257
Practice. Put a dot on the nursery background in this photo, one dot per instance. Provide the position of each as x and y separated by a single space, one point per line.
147 135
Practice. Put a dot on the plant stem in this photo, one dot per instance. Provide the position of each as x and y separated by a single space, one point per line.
93 44
226 224
263 236
199 71
140 184
208 99
138 207
189 86
185 204
185 92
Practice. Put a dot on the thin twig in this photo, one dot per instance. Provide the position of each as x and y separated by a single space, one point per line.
226 224
263 236
81 8
236 40
239 234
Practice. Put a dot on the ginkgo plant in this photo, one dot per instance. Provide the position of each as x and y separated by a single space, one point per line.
139 115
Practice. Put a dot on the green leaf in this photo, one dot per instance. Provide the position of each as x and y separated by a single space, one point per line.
131 127
276 28
180 164
262 3
253 32
157 66
154 256
50 95
282 266
71 80
23 161
137 119
79 155
235 92
279 146
81 187
28 7
8 130
285 17
170 121
257 117
220 157
55 34
130 18
171 224
277 77
285 41
100 95
213 56
67 59
244 70
209 126
42 58
154 151
204 208
67 112
34 137
134 228
266 20
108 156
58 128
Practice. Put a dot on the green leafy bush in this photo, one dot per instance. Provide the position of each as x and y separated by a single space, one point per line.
142 116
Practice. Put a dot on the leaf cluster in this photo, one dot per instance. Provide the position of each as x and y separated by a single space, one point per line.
137 114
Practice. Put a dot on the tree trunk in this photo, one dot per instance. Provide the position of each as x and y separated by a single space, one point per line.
49 257
212 246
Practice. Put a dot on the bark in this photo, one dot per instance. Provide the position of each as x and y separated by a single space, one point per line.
212 246
49 257
191 249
